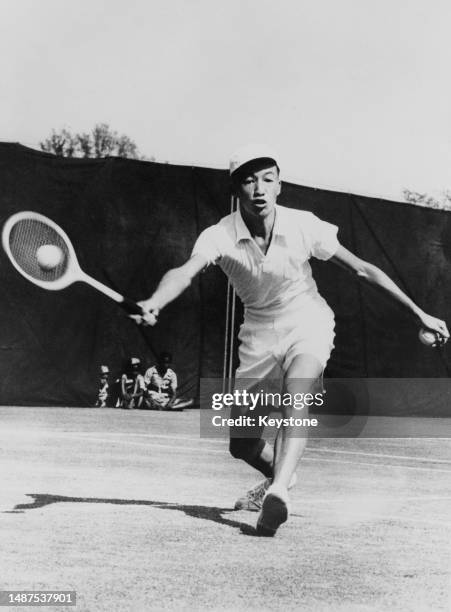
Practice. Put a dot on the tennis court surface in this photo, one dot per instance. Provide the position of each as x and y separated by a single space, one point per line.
134 511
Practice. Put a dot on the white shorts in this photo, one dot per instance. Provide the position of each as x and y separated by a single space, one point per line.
268 343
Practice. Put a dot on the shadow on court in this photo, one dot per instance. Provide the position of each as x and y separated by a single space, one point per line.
207 513
369 530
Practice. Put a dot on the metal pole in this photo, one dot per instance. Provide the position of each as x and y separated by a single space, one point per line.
226 339
229 325
232 338
228 333
234 206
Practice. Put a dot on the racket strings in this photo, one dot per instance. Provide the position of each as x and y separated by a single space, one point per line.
25 238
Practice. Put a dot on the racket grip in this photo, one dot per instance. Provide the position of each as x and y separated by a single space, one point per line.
131 307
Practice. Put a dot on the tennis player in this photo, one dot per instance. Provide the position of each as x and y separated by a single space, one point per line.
288 328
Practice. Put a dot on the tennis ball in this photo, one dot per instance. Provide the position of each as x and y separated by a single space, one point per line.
49 256
427 337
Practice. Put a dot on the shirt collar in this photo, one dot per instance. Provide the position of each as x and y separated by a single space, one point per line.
281 225
242 233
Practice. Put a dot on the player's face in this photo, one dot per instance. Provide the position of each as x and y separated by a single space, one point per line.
258 191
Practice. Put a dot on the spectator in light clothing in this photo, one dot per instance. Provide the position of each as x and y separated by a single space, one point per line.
102 393
161 384
132 388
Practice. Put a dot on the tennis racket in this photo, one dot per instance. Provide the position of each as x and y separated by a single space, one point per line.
26 232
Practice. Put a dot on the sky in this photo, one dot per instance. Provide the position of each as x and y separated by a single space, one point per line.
354 95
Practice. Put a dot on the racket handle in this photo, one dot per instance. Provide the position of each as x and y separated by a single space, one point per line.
128 305
131 307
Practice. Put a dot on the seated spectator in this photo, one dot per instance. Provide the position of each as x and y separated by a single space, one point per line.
132 386
161 384
103 392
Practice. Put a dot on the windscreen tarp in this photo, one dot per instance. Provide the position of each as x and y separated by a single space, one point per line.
130 221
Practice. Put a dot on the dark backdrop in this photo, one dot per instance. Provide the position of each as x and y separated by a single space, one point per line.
130 221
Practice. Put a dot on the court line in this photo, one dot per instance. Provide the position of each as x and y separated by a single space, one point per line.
315 450
385 456
385 518
389 465
153 445
90 435
212 450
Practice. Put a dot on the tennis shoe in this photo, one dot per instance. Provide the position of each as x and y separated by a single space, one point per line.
253 499
274 511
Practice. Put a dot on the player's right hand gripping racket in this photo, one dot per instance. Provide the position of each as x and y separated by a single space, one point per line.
23 236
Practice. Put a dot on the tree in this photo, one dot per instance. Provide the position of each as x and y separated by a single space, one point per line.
61 143
423 199
100 142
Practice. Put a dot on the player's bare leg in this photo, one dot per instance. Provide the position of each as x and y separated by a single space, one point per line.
290 444
253 499
260 455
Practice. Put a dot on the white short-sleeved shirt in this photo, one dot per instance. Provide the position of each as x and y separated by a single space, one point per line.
282 279
153 378
133 383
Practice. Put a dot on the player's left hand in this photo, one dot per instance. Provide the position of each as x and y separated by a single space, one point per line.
436 325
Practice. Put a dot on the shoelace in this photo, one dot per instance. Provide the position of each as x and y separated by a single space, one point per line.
257 491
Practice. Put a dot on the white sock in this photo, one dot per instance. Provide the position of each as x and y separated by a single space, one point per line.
278 491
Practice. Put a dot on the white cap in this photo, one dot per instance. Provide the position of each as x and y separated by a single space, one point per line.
104 369
135 361
249 153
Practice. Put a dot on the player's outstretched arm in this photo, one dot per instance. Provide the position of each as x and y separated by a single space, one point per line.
172 284
375 276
